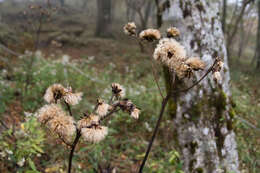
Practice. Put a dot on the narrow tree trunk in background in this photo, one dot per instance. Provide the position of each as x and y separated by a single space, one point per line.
103 18
242 40
158 14
203 122
147 14
234 28
84 5
258 39
62 3
224 15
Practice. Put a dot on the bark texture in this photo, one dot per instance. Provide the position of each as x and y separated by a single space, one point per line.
203 120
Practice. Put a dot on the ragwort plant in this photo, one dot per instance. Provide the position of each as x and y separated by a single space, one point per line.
89 127
170 53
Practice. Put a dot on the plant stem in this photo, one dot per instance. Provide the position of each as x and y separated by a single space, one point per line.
76 140
69 109
164 103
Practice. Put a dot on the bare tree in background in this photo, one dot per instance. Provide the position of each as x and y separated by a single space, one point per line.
130 12
234 24
142 8
203 117
103 18
62 3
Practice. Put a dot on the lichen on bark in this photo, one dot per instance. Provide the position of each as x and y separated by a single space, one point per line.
203 116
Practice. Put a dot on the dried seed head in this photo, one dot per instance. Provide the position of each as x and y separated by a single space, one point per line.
118 90
126 105
57 121
150 35
102 108
88 121
73 98
183 71
63 125
173 32
195 63
217 77
172 54
56 92
94 134
48 112
135 113
130 29
219 66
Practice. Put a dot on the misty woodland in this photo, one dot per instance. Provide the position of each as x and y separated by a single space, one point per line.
132 86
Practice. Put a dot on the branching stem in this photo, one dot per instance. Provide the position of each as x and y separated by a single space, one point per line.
164 103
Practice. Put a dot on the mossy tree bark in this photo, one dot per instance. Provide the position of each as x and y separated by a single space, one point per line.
203 120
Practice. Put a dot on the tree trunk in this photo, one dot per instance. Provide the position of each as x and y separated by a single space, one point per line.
224 15
62 3
258 39
103 18
203 121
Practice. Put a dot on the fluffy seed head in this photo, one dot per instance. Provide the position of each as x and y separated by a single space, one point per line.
172 54
150 34
73 98
54 93
48 112
173 32
94 134
88 121
130 28
102 108
118 90
217 77
63 125
195 63
219 66
135 113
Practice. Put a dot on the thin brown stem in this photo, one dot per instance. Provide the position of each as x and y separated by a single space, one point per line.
156 80
63 140
196 83
164 103
68 107
76 140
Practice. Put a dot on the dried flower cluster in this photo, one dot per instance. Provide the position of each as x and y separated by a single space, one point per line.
171 53
89 126
173 32
57 92
57 121
130 29
150 35
117 90
102 108
127 106
216 71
